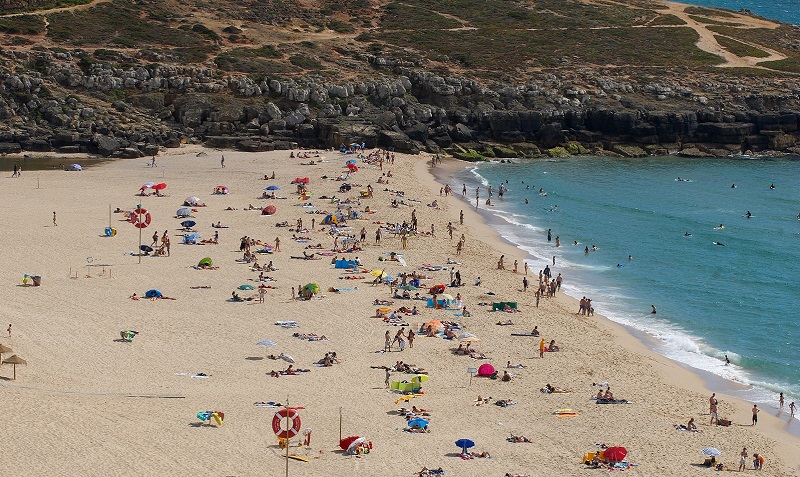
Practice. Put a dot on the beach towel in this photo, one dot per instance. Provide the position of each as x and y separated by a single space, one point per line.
287 324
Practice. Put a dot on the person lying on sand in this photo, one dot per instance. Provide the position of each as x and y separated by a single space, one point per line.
548 389
517 366
134 297
505 323
196 287
514 438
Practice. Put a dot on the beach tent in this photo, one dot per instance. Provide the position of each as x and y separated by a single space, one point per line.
75 167
184 212
268 210
486 369
193 201
205 262
153 293
330 220
345 264
190 239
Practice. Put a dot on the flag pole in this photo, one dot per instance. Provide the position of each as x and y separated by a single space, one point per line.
288 439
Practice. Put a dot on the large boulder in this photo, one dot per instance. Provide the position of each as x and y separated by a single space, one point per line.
397 141
106 145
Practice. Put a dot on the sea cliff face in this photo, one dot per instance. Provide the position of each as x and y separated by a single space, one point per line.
57 101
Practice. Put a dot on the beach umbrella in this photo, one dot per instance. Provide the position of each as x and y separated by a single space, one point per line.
387 278
191 200
75 167
464 336
409 287
446 296
221 189
418 422
434 323
615 454
352 167
376 273
268 210
350 161
711 451
311 287
153 293
286 358
421 378
15 360
145 248
205 262
351 448
438 288
471 339
184 212
3 350
486 369
345 443
464 444
146 185
267 343
160 186
272 187
246 287
188 223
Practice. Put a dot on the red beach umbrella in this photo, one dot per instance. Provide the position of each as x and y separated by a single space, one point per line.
160 186
615 454
345 443
268 210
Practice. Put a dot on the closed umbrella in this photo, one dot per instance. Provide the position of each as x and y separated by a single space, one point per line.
15 360
464 444
4 349
711 451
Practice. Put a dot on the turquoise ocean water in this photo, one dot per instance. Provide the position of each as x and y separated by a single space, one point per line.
784 10
739 299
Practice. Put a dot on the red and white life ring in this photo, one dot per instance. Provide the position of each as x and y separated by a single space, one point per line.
140 218
280 418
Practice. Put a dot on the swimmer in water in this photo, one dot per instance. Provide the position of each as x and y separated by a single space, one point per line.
772 187
653 311
719 243
526 201
748 214
576 242
687 234
630 257
720 227
733 186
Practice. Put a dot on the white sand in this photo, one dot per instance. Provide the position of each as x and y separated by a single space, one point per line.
71 409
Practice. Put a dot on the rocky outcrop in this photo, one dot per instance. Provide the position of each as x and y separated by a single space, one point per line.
399 108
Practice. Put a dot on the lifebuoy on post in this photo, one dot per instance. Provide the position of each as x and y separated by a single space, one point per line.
280 418
140 218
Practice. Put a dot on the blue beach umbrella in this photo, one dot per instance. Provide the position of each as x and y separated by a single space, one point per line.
184 212
351 161
464 444
153 293
188 223
709 451
418 422
272 187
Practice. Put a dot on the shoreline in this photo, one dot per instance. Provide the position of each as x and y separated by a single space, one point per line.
699 379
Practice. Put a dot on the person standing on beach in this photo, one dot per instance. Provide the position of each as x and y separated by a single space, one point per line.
388 376
780 402
525 266
756 410
541 348
222 162
387 341
55 224
792 407
463 189
166 244
524 284
411 336
461 217
16 171
548 235
712 408
477 197
378 236
277 244
516 266
9 335
742 459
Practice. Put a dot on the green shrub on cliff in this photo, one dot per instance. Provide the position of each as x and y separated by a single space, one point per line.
466 154
576 149
22 25
557 152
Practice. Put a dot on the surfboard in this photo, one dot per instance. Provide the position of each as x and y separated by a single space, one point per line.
297 457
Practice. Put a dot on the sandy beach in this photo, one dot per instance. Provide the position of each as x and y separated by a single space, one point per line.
88 404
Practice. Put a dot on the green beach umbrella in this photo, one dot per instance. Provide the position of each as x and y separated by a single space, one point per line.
311 287
246 287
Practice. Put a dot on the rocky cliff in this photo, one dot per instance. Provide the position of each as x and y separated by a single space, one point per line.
61 102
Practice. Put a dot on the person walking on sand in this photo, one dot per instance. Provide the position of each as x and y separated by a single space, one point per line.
524 284
378 236
461 217
780 402
9 335
756 410
541 348
500 264
792 407
55 224
155 239
411 336
712 408
388 376
388 341
277 244
516 266
222 162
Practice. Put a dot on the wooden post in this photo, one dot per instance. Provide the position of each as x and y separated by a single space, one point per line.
340 424
139 208
288 438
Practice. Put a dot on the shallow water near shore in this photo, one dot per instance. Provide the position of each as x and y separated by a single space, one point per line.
712 300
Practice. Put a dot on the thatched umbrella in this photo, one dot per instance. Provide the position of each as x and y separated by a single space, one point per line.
3 350
15 360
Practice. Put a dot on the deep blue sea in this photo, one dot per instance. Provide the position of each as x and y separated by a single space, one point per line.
782 10
739 299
